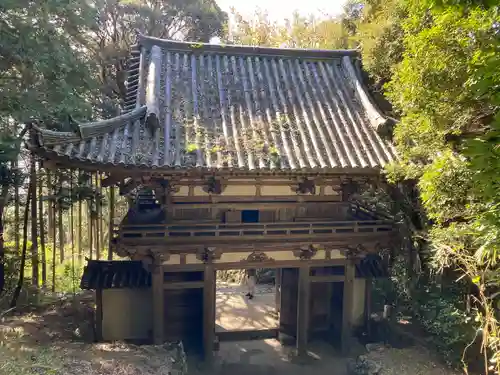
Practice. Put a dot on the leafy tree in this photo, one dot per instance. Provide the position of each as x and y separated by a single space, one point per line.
298 32
440 63
118 23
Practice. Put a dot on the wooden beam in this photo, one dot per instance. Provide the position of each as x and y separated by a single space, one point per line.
98 314
158 304
184 285
208 312
347 310
303 310
327 278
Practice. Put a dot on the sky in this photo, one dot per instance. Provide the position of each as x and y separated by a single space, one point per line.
280 9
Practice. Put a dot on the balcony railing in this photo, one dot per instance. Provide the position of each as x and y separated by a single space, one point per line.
276 229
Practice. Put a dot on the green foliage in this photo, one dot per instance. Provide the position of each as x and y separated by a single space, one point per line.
44 72
441 62
297 32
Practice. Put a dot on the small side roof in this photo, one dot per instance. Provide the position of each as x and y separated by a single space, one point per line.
226 108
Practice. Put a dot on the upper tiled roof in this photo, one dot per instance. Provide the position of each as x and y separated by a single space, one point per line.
216 107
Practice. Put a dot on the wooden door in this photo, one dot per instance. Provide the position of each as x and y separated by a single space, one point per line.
183 310
320 308
289 299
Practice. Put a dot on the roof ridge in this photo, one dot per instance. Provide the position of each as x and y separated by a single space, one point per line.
183 46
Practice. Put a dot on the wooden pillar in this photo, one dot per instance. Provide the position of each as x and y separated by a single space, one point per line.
348 302
277 294
303 310
208 312
98 314
368 306
158 303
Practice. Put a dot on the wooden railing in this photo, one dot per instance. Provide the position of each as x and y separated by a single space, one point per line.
251 229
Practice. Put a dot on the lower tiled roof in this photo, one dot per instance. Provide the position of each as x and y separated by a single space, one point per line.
100 274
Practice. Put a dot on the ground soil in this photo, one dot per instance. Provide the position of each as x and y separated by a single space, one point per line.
57 340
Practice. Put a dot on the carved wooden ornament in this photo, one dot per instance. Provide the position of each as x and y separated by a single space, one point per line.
356 251
257 257
213 186
208 255
305 186
305 253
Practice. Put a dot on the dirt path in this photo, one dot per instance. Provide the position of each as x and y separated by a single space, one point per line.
266 357
236 312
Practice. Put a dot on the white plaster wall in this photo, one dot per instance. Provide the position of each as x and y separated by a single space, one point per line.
269 190
127 314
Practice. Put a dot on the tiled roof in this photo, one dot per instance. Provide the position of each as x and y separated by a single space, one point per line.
215 107
101 274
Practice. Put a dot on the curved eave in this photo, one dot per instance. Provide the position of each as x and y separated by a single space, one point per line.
122 168
47 138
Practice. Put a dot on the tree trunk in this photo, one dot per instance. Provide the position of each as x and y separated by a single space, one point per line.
3 202
91 228
54 244
60 223
16 207
98 224
20 282
42 232
34 224
71 229
80 223
51 208
111 220
60 233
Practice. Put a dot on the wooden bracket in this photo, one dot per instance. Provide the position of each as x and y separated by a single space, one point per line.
305 253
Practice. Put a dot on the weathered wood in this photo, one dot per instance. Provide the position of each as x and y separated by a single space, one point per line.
303 310
209 312
98 314
158 303
348 299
